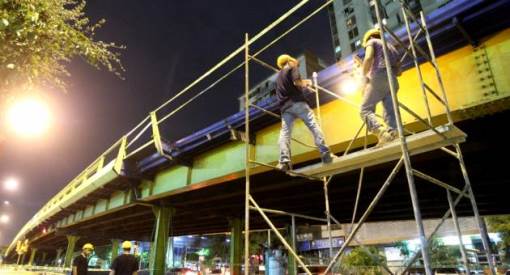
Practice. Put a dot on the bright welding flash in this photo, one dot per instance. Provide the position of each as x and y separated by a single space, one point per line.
350 86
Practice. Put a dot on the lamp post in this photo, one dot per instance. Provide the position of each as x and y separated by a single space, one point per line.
28 117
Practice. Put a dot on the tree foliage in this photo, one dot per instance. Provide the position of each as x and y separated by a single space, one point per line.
403 246
37 38
444 255
363 260
501 225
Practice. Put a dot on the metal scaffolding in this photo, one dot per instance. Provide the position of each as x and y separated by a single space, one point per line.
435 137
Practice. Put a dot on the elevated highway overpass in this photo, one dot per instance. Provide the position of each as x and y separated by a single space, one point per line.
196 184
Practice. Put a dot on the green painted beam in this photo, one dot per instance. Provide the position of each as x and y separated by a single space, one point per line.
170 259
23 259
43 258
32 256
71 243
163 219
291 262
236 256
59 254
115 249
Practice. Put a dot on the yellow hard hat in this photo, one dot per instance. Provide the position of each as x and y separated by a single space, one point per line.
369 34
283 59
126 245
88 246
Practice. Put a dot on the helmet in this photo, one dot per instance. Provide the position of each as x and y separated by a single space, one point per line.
126 245
88 246
284 59
369 34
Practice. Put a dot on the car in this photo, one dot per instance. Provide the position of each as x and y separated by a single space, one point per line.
182 271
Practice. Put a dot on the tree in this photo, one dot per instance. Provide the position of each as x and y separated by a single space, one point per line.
403 246
363 260
442 255
501 225
37 37
218 247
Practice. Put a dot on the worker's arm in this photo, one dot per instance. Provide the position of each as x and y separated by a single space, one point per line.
75 270
112 272
368 61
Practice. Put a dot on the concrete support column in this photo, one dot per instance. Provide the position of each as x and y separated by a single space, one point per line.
163 219
59 253
71 243
32 256
236 233
115 248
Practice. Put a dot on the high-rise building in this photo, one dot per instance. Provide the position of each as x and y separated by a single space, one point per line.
350 19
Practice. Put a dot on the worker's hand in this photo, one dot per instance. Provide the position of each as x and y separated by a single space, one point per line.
357 61
307 82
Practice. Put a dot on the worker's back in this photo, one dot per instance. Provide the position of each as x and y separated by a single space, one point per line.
125 264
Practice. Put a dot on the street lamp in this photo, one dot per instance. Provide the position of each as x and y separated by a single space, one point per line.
4 218
11 184
28 117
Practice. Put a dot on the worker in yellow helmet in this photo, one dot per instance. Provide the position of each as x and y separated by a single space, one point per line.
126 263
290 91
81 262
377 88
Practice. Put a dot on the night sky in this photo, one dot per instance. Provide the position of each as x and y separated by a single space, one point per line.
169 44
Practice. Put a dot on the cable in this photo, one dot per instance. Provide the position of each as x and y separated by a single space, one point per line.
234 53
240 65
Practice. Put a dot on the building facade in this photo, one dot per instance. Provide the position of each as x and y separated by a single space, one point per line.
350 19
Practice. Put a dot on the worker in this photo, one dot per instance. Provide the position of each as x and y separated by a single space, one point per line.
377 89
126 263
290 89
81 262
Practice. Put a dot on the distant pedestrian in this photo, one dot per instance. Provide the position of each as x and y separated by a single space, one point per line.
81 262
125 264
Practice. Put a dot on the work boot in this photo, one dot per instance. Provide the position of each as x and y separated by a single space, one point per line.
284 166
328 157
386 136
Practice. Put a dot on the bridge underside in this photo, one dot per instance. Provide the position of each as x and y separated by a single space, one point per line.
207 210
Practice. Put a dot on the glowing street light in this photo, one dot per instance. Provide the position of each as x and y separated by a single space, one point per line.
28 117
11 184
4 218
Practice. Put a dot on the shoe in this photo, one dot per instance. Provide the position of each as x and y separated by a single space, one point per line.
386 137
284 166
328 158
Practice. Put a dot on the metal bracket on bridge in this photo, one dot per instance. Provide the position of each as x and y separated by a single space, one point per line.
241 136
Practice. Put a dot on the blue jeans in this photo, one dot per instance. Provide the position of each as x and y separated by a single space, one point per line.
378 90
302 111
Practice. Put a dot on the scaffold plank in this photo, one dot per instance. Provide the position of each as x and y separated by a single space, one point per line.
418 143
